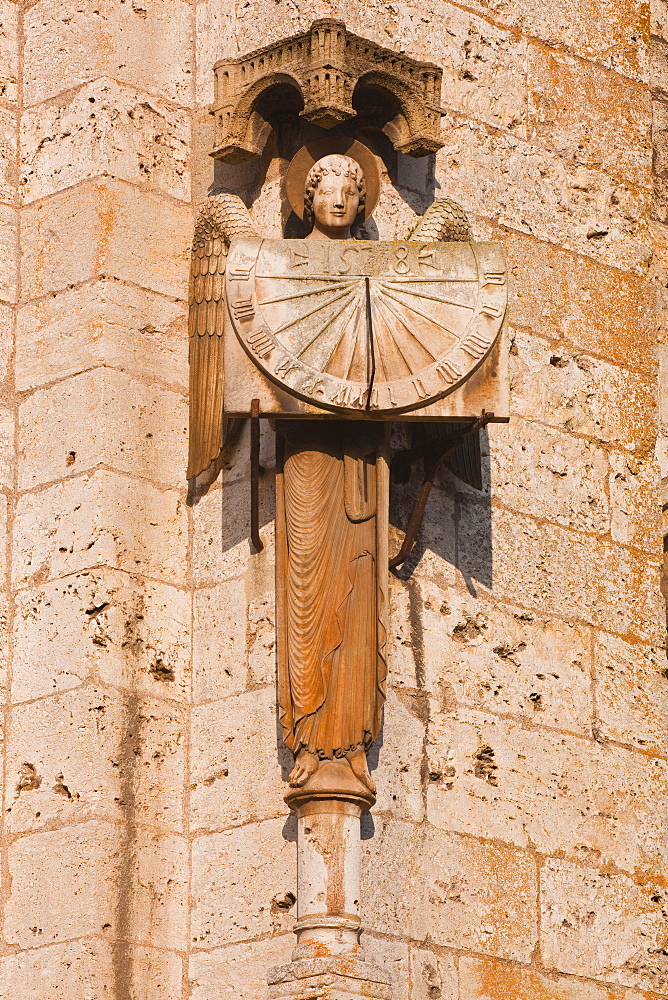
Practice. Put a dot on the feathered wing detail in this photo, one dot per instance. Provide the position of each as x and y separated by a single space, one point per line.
220 218
443 220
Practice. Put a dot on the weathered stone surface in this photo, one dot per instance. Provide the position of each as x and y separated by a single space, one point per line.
106 228
148 44
102 322
83 861
9 50
635 503
127 632
259 865
8 253
8 144
102 417
489 979
506 660
603 925
232 743
631 692
567 204
238 972
532 788
6 447
94 754
398 761
104 128
103 518
611 133
432 971
158 905
220 663
59 972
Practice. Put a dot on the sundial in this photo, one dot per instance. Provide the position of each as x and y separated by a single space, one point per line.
382 327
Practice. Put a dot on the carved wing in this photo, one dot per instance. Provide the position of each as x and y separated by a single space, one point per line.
221 217
443 220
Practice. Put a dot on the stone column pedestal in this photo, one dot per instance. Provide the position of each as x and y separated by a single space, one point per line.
328 962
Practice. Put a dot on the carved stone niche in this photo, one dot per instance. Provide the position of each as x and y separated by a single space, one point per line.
325 75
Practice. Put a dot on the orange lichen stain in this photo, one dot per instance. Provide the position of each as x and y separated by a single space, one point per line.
498 982
107 222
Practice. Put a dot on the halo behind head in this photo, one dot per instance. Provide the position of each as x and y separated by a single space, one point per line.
309 154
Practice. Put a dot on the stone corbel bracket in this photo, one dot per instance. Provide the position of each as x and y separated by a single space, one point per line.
324 70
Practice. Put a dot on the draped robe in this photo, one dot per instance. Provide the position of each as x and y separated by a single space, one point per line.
331 530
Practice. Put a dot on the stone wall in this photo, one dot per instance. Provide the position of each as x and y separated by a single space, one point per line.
518 846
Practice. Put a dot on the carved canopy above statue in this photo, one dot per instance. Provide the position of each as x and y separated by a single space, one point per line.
319 75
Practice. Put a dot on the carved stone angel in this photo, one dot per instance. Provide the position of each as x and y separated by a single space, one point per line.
332 496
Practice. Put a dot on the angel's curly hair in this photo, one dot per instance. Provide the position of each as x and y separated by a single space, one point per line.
333 163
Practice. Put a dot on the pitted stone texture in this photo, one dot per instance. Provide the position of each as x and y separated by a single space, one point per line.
259 868
635 503
8 146
159 891
220 665
105 128
496 175
235 762
239 971
146 44
105 228
610 133
631 692
84 862
103 518
595 309
59 972
432 974
8 254
505 660
552 475
92 753
328 978
478 895
492 778
604 925
9 50
489 979
102 417
581 394
397 765
103 322
6 447
127 632
564 573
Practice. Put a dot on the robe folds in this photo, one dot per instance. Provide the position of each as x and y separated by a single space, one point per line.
331 529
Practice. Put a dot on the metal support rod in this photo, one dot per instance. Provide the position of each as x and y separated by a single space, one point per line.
255 475
432 465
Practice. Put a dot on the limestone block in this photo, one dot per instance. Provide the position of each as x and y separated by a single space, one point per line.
216 39
528 188
436 545
262 636
240 882
221 544
8 253
9 50
432 975
155 974
107 626
104 128
610 133
90 753
581 394
102 417
3 533
659 19
392 957
83 863
6 447
404 606
106 228
158 904
69 971
8 143
631 687
565 574
552 475
148 45
396 760
635 503
660 149
6 338
220 624
505 660
596 309
239 971
103 322
489 979
537 788
392 886
103 518
603 925
238 769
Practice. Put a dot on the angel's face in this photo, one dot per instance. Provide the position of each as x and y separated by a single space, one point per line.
336 202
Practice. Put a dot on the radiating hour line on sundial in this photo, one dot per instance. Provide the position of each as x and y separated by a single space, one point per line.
419 312
304 294
348 299
379 321
426 295
356 305
386 305
412 278
310 312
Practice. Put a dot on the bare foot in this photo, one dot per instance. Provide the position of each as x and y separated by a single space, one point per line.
360 768
305 766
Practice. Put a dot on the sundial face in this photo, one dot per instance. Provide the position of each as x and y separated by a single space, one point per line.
366 326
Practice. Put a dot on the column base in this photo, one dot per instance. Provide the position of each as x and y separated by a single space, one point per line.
329 978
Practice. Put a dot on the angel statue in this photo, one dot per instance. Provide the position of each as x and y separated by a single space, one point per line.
333 479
